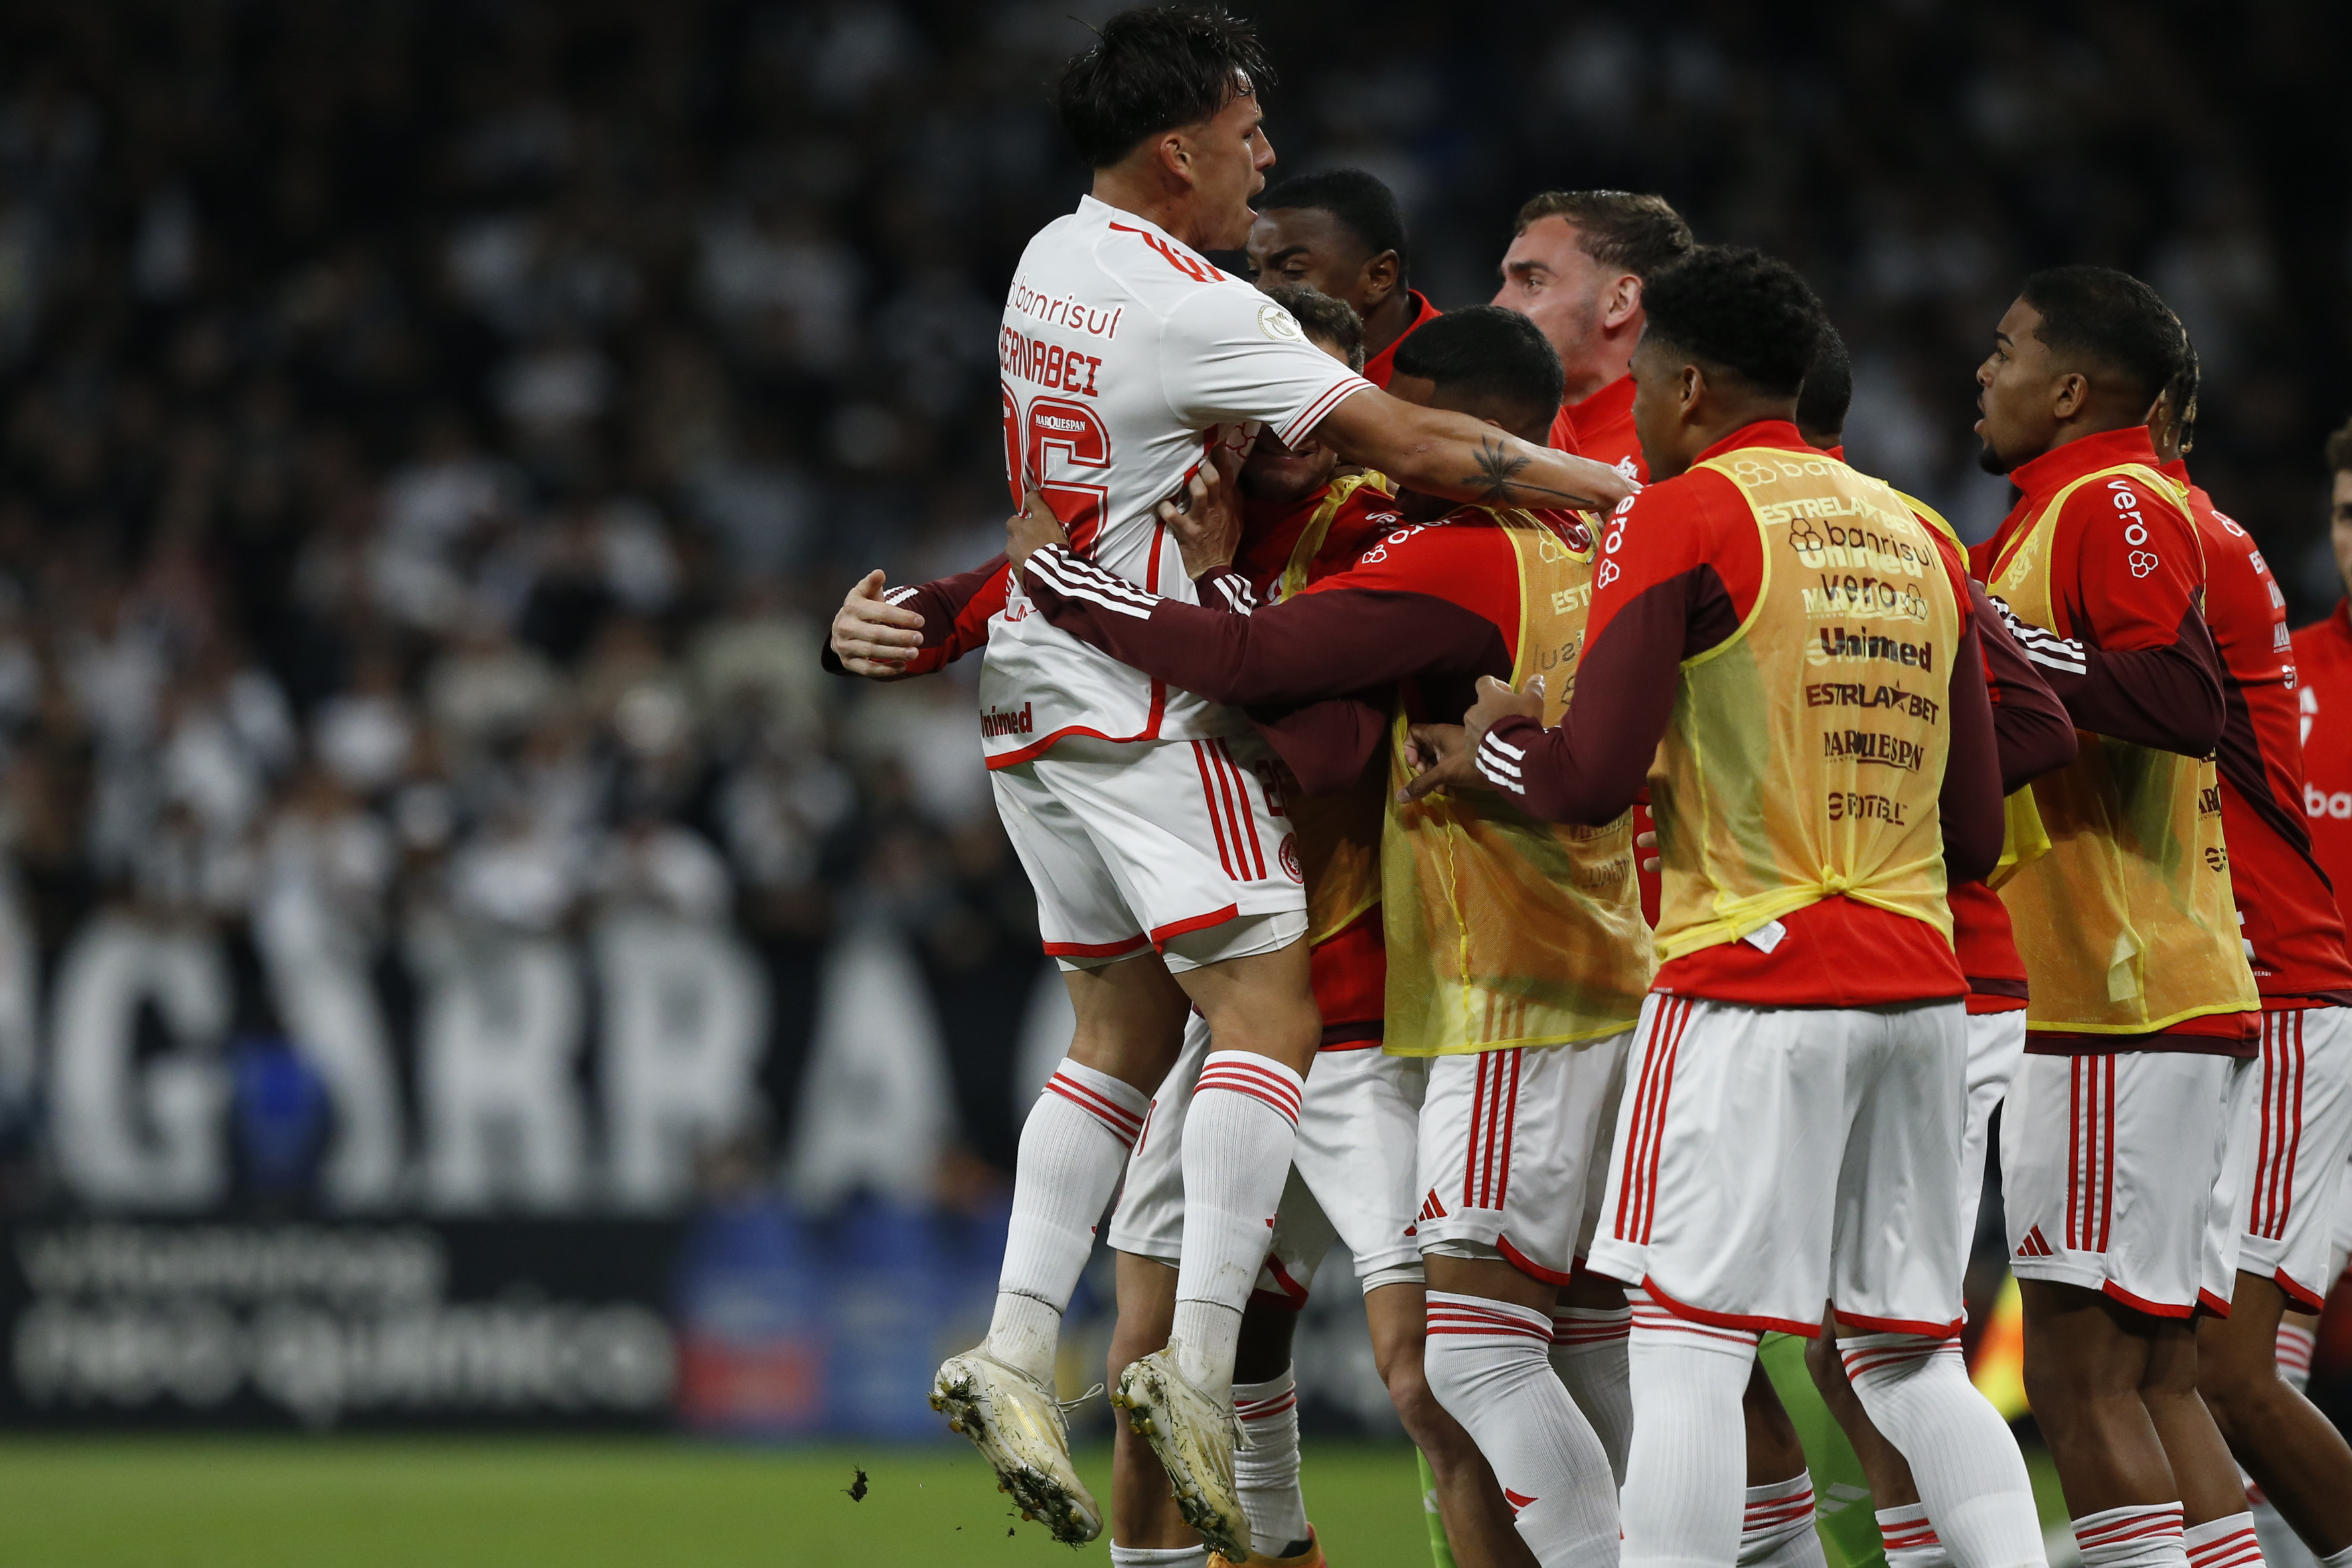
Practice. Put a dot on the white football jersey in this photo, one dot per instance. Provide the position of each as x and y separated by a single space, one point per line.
1125 355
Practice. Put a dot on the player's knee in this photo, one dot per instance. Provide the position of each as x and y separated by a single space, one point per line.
1425 1419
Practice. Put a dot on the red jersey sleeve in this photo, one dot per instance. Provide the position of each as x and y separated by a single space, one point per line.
2137 567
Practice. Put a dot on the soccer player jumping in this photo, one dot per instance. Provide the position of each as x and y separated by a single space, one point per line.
1140 811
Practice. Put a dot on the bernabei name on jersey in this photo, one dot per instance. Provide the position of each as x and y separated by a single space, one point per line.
1063 311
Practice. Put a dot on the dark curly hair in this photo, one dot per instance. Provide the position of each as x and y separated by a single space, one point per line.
1739 310
1151 69
1320 316
2102 319
1491 355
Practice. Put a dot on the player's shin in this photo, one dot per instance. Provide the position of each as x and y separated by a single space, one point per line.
1073 1148
1587 1351
1971 1476
1266 1465
1684 1492
1488 1364
1238 1139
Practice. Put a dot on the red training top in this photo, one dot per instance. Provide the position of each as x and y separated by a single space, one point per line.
2323 664
1382 365
2286 910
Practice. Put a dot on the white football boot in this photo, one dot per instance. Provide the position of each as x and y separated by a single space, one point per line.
1193 1437
1018 1426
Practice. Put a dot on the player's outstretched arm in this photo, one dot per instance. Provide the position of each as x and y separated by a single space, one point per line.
887 634
1442 452
871 636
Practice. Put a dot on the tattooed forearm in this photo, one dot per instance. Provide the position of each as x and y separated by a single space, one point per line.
1497 480
1497 467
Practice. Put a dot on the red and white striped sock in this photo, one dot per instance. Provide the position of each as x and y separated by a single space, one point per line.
1489 1364
1587 1351
2295 1343
2227 1542
1684 1476
1971 1477
1073 1148
1238 1138
1911 1540
2143 1535
1777 1531
1265 1471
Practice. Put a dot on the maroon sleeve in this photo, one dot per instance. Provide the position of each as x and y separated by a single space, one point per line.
1327 643
2029 723
956 611
1594 763
2167 697
1326 743
1970 804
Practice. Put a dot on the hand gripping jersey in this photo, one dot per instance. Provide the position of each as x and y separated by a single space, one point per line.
2126 924
1504 930
1767 804
1124 355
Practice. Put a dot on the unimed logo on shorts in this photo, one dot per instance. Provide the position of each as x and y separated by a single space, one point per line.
1006 721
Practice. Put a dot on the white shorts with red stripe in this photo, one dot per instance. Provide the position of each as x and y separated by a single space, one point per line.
1768 1159
2110 1168
1351 1176
1513 1147
2297 1130
1173 845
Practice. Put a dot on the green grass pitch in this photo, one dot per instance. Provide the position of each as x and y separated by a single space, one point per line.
368 1502
362 1503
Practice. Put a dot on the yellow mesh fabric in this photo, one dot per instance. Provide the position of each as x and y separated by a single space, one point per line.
1504 930
1807 751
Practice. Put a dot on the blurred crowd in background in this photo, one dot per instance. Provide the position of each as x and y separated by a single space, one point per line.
433 435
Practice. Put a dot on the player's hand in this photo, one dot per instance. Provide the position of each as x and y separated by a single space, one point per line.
1439 756
1605 484
872 636
1031 529
1497 701
1206 517
1647 844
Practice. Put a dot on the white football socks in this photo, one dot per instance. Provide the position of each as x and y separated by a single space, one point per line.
2139 1536
1238 1138
1195 1556
1971 1478
1587 1351
1911 1540
1686 1477
1777 1529
1073 1148
1266 1470
2293 1347
1489 1364
2227 1543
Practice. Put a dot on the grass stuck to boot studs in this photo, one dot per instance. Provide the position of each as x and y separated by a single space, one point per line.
1193 1437
1019 1428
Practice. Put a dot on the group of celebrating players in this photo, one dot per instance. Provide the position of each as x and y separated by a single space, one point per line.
1667 845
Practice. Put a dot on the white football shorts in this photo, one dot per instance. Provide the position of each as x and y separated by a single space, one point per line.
1514 1151
1996 1045
2299 1137
1352 1177
1171 844
2111 1165
1768 1159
